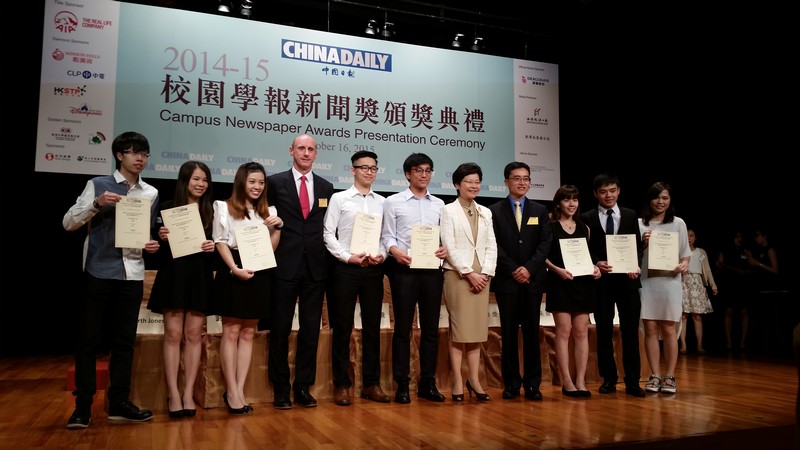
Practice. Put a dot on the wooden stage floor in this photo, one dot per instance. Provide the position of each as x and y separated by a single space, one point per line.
723 401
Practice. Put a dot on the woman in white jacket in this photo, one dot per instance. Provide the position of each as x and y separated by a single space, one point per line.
468 235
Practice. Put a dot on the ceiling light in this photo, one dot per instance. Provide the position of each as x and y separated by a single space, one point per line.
246 11
224 7
372 28
388 30
477 44
457 39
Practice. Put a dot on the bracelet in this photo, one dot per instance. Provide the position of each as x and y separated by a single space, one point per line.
95 204
278 227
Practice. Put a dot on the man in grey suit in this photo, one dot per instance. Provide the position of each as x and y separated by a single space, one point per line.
520 280
621 289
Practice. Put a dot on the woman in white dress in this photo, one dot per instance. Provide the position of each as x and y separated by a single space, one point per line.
662 290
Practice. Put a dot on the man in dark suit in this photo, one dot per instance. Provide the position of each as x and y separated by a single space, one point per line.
520 280
301 199
621 289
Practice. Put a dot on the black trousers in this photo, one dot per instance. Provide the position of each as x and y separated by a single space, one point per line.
629 307
108 309
520 309
410 287
308 294
350 284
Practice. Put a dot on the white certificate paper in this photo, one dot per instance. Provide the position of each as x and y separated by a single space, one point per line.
186 234
662 250
424 243
575 252
255 247
621 253
366 234
132 222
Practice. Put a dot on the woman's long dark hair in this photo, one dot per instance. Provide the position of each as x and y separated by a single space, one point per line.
206 202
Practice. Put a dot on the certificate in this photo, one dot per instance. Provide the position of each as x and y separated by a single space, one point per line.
575 252
424 243
132 222
186 234
366 234
621 253
255 247
662 251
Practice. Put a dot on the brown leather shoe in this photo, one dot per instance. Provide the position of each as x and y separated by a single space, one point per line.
375 393
341 396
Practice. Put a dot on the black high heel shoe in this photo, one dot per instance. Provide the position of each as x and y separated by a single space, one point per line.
481 396
175 414
237 411
458 397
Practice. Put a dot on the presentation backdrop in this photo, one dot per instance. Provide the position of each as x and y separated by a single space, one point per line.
228 91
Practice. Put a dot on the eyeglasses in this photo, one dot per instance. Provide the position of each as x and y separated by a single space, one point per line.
143 154
518 179
365 168
420 171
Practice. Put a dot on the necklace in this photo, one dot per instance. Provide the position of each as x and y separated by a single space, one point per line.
568 226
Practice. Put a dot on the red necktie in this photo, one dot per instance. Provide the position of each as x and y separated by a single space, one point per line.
304 206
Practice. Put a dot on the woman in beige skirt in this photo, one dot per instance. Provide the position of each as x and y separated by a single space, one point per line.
468 235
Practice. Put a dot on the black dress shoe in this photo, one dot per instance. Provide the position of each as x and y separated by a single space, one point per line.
177 414
635 391
608 387
430 393
532 393
79 419
190 412
401 395
584 393
281 401
510 393
304 398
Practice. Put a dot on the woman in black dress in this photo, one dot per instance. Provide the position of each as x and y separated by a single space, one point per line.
570 298
181 290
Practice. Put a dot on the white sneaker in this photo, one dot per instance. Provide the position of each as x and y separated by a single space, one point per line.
654 383
669 386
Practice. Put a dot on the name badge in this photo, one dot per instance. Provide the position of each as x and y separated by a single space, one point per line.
533 221
323 203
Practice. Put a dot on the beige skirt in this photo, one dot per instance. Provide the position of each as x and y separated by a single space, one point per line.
469 312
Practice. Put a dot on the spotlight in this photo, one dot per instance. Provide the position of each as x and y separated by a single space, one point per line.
388 30
372 28
457 40
224 7
246 10
477 44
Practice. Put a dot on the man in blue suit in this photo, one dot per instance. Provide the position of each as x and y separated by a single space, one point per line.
523 243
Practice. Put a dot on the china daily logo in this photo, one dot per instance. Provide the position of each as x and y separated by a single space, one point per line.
339 56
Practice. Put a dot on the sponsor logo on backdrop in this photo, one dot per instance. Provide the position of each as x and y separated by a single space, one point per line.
84 110
340 56
57 157
97 138
65 22
92 159
85 74
75 57
65 134
76 91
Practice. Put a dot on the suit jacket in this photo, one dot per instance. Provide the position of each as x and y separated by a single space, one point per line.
456 235
628 224
527 247
298 235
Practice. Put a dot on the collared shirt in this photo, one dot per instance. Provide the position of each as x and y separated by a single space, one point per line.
401 211
341 215
309 185
101 257
223 225
512 200
601 212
